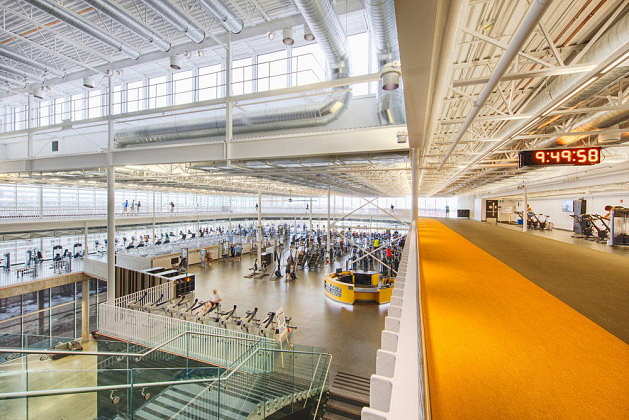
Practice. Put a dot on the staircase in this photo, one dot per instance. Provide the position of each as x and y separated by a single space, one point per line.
242 396
347 396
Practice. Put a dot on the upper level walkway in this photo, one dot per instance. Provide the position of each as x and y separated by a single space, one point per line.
520 326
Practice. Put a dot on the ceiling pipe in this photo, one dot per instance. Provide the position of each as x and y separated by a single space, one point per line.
529 23
226 17
381 14
120 15
595 121
22 73
608 47
456 13
75 20
323 21
178 19
9 53
325 26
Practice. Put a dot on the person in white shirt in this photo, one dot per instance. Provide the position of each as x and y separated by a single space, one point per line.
215 299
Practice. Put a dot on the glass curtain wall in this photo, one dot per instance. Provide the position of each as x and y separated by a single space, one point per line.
258 72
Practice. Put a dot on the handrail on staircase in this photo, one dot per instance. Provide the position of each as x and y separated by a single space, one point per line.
138 355
64 391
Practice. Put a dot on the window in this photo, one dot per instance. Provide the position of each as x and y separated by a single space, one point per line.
272 71
242 76
77 107
358 45
158 92
306 65
209 82
95 104
117 100
183 87
44 113
20 117
62 110
135 96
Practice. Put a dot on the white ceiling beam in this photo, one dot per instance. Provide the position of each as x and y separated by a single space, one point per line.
373 140
555 71
504 46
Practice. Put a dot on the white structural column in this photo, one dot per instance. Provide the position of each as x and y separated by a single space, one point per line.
259 231
111 200
229 106
86 248
310 214
329 227
29 130
154 217
525 212
414 186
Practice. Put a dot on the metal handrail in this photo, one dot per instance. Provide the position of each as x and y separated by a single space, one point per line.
325 378
138 355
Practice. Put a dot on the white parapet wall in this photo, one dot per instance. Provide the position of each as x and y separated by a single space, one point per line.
397 388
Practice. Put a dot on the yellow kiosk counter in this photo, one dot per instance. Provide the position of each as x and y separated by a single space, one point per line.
358 286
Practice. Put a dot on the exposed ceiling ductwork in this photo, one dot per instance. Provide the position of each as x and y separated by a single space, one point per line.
9 53
611 45
73 19
384 31
18 72
595 121
323 21
176 18
120 15
229 20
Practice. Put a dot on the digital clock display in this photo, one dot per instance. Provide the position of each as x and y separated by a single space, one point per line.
574 156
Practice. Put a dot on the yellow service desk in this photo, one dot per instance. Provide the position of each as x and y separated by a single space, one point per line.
351 287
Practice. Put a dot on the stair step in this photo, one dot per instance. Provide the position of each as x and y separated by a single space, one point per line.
352 377
334 416
348 395
344 408
361 390
348 383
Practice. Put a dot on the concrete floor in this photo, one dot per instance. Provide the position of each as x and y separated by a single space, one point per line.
567 237
350 333
78 372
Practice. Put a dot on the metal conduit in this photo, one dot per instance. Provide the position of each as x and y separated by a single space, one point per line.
120 15
9 53
532 18
78 22
16 71
320 15
229 20
325 25
381 15
178 19
611 44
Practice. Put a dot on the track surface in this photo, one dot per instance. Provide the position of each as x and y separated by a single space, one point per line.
592 282
501 347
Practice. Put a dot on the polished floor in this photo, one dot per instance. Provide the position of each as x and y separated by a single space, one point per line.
498 344
76 372
568 237
350 333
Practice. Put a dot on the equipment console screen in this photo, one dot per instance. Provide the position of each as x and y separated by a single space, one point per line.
574 156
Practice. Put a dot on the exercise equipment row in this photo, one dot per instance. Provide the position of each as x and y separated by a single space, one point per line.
192 309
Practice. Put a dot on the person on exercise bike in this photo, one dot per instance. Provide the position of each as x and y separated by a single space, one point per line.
215 299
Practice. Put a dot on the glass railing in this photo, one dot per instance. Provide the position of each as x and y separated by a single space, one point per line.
119 386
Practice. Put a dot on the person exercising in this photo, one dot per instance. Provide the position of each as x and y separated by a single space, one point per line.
608 209
215 299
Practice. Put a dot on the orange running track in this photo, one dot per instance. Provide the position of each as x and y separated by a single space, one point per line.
500 347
